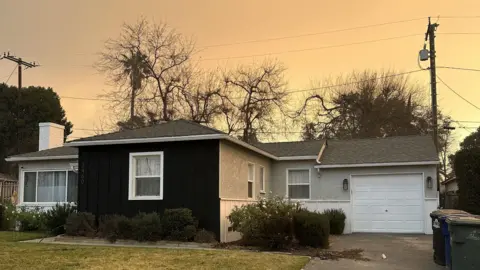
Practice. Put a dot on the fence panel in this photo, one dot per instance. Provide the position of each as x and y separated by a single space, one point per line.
7 190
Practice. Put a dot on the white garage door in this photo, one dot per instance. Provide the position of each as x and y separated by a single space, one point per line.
390 203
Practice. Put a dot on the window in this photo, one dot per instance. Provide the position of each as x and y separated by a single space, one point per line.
251 177
298 183
146 176
262 179
50 186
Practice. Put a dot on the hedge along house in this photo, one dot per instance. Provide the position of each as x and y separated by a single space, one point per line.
383 185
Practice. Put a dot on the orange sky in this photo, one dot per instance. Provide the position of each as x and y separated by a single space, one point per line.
64 36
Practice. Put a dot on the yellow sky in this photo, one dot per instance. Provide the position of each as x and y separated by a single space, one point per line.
64 36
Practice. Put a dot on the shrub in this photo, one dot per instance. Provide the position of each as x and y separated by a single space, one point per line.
113 227
337 220
29 219
3 218
311 229
55 218
204 236
266 223
9 216
179 224
80 224
147 227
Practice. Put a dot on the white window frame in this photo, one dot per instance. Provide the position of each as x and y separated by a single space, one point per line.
132 177
262 179
21 195
309 183
251 180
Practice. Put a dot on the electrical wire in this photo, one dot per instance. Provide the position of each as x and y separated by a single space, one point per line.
86 98
459 68
456 93
310 49
459 33
13 71
312 34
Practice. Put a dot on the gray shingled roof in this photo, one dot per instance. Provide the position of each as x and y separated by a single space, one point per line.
168 129
380 150
52 152
290 149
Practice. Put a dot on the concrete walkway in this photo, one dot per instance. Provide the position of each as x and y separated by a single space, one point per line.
402 252
83 241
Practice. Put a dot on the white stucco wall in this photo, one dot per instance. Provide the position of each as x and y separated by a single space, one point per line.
327 184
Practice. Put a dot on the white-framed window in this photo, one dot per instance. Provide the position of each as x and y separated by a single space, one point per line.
49 186
298 184
146 176
251 180
262 179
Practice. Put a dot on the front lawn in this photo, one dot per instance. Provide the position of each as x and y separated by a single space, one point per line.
48 256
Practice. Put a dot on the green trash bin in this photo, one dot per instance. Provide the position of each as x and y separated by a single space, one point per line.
465 242
439 248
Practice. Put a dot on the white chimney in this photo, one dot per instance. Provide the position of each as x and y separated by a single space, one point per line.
50 135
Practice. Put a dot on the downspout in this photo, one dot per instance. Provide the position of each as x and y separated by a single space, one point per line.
320 154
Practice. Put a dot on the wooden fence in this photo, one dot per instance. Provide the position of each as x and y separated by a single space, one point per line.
7 190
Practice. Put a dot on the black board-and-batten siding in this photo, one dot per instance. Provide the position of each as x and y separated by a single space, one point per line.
190 180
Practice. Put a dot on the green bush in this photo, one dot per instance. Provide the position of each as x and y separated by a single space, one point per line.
147 227
80 224
179 224
311 229
3 218
266 223
113 227
55 218
9 216
204 236
30 219
337 220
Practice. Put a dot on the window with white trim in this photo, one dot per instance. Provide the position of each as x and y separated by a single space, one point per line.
50 186
146 176
298 184
251 179
262 179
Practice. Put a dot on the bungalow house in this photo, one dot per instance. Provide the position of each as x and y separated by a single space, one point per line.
385 185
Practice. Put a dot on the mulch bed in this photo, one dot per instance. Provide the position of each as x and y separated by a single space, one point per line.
296 249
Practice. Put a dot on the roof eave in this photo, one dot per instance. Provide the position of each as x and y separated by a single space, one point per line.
383 164
17 159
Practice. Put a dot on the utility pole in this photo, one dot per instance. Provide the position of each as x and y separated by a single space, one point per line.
20 63
430 55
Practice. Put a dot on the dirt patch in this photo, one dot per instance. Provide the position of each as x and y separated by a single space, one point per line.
295 249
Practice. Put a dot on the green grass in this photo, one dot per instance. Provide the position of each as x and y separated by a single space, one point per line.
49 256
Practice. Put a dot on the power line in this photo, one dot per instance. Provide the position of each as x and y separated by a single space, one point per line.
311 49
460 96
287 91
459 33
461 17
310 34
459 68
460 121
13 71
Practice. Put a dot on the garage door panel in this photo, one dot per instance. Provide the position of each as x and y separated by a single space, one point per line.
388 203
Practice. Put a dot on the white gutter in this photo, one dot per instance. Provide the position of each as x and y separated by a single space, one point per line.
377 164
297 158
14 159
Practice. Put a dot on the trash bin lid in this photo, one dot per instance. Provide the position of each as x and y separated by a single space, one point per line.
447 212
464 220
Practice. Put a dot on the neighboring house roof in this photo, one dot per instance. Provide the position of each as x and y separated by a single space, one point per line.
391 150
64 152
176 128
449 180
289 149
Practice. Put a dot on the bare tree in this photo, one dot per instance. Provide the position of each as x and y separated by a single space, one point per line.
200 100
253 96
367 104
164 56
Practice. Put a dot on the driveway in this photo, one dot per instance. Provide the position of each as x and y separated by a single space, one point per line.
402 252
